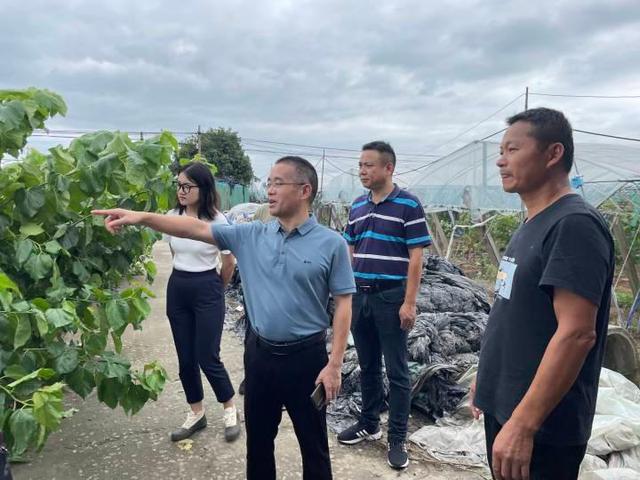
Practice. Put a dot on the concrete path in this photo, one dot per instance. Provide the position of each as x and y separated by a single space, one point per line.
100 443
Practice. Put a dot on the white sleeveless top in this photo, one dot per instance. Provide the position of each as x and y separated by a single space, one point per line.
193 255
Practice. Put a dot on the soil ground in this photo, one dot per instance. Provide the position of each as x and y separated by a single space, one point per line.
100 443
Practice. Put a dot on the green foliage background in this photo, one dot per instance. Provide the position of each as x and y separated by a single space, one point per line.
67 290
222 148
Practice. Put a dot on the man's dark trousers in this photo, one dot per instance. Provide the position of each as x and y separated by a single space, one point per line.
375 326
275 378
548 462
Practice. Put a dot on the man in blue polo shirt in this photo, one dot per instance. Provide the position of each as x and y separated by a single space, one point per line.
289 267
386 234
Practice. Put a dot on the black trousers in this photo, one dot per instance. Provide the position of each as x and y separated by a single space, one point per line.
376 331
275 380
195 307
548 462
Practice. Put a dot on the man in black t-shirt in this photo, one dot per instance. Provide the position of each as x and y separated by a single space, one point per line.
543 348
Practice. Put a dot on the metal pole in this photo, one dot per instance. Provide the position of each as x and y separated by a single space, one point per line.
322 173
526 99
199 141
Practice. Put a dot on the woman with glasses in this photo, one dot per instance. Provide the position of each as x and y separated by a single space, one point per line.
195 303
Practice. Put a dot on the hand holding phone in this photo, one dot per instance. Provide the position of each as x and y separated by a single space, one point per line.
319 396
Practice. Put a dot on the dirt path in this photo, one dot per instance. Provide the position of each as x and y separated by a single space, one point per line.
100 443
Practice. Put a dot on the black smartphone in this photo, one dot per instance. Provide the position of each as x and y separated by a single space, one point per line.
319 396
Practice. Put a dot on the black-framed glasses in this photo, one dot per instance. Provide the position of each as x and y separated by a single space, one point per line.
277 184
185 187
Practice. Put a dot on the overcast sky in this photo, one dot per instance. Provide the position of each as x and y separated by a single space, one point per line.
334 73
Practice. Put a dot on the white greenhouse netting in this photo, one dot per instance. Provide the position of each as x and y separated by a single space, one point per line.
468 178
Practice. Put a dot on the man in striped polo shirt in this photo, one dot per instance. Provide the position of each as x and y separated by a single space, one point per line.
386 234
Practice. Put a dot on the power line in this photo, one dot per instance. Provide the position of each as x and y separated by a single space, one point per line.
608 136
493 134
332 148
339 169
427 165
52 132
628 180
54 136
583 96
480 122
130 132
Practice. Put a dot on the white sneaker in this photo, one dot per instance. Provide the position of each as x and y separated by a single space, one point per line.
193 423
231 424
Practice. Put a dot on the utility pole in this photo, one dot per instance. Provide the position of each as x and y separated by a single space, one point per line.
199 141
322 174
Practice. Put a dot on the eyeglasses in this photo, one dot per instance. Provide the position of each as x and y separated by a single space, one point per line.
185 187
277 184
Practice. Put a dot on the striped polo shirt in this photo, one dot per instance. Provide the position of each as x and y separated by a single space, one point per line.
383 233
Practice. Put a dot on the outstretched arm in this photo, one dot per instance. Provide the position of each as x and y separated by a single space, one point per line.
174 225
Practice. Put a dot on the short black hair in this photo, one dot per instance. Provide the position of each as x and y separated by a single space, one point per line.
305 171
549 126
384 148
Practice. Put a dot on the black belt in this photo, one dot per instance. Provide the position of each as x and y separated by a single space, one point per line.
287 348
376 286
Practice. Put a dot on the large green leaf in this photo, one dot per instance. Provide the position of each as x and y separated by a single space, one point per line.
23 427
23 331
114 366
47 405
70 238
31 229
80 271
81 381
134 399
39 265
7 284
53 247
109 391
94 344
117 312
15 371
153 378
62 161
30 201
24 247
67 362
142 306
58 317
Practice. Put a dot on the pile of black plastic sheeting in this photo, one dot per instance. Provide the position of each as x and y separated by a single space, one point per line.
452 317
444 343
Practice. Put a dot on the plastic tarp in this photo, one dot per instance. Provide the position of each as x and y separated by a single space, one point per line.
611 474
615 435
242 213
627 459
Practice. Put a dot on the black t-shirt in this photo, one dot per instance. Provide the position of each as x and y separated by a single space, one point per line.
568 245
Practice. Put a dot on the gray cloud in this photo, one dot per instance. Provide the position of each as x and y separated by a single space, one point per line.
326 73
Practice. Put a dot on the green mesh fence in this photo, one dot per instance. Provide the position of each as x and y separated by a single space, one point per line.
231 194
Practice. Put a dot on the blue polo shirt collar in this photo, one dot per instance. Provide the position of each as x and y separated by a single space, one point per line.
303 229
394 193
